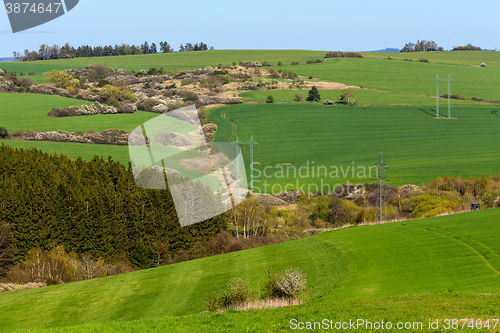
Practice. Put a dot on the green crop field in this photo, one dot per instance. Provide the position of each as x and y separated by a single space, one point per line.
466 58
412 78
428 269
363 96
416 146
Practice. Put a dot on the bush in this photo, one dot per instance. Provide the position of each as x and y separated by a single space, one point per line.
280 63
453 96
147 104
346 97
17 133
266 64
298 97
102 83
294 63
343 55
147 85
270 99
423 60
32 73
238 292
95 73
90 131
22 74
3 132
313 95
290 283
114 102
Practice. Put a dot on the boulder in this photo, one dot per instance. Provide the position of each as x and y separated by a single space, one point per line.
2 71
483 64
269 200
328 102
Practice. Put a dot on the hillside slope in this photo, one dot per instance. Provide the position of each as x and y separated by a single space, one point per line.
452 254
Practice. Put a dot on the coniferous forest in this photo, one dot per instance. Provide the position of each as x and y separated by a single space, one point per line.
92 207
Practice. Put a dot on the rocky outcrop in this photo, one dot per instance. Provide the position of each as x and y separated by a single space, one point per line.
269 200
289 197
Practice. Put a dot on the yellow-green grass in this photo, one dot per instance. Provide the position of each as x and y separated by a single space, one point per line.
435 268
179 60
363 96
416 146
466 58
409 78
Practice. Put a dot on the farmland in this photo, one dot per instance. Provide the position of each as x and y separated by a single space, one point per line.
416 146
435 268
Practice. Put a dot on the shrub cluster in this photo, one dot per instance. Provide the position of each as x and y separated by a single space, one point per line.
453 96
289 284
338 54
317 61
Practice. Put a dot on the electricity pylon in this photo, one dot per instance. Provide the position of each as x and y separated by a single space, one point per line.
437 79
251 143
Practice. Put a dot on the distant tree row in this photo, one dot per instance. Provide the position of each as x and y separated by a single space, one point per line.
67 51
421 46
468 47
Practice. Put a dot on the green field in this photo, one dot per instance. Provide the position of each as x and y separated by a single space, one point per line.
435 268
363 96
416 146
411 78
28 112
466 58
179 60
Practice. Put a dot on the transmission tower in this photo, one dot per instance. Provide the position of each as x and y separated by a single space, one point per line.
449 79
437 79
382 179
251 143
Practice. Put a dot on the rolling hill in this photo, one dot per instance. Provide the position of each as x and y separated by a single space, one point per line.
428 269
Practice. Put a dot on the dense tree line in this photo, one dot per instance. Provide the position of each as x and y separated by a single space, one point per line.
421 46
67 51
92 207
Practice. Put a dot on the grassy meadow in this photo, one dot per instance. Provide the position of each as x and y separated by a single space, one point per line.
435 268
28 112
365 97
416 146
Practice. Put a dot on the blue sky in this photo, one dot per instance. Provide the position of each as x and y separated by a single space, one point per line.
349 25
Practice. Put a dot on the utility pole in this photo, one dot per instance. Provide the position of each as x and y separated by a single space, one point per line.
382 179
437 79
251 143
449 94
238 152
